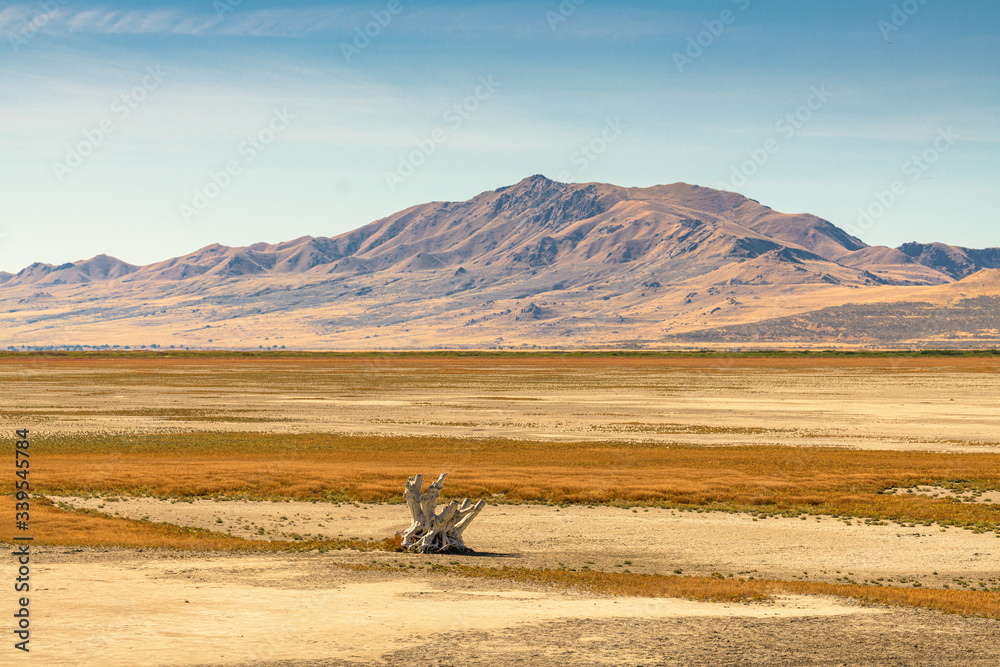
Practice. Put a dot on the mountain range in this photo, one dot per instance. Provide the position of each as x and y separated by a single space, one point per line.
538 263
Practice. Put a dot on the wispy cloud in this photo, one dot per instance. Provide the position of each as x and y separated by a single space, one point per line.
548 20
511 19
263 23
10 16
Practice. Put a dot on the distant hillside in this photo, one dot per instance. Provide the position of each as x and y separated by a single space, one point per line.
98 268
973 322
538 262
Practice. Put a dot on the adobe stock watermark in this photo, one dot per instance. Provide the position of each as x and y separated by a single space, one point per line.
589 152
901 15
223 7
48 10
121 108
455 117
915 168
246 152
698 43
785 129
562 13
363 35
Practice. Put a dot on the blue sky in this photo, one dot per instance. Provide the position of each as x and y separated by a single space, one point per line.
149 130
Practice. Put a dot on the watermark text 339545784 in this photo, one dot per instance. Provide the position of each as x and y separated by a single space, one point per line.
22 540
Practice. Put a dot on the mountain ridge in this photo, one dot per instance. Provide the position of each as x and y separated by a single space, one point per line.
539 262
539 219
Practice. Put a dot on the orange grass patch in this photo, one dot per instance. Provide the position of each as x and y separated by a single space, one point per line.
967 603
370 468
54 526
710 589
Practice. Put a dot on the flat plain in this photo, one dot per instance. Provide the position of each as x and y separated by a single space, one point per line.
672 509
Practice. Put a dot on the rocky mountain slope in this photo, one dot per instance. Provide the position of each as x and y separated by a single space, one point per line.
536 263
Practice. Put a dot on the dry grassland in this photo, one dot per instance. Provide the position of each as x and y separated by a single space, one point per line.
55 526
377 372
759 479
899 403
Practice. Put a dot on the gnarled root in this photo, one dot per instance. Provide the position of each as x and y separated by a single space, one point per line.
436 533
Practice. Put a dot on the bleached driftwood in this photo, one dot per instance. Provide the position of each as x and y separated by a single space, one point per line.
436 533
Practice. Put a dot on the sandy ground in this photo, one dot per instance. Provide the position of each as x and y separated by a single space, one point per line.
153 607
124 608
136 609
942 405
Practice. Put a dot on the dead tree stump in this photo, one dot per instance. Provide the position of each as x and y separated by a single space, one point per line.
433 533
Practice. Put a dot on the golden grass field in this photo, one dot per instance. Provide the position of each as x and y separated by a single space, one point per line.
761 479
57 526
